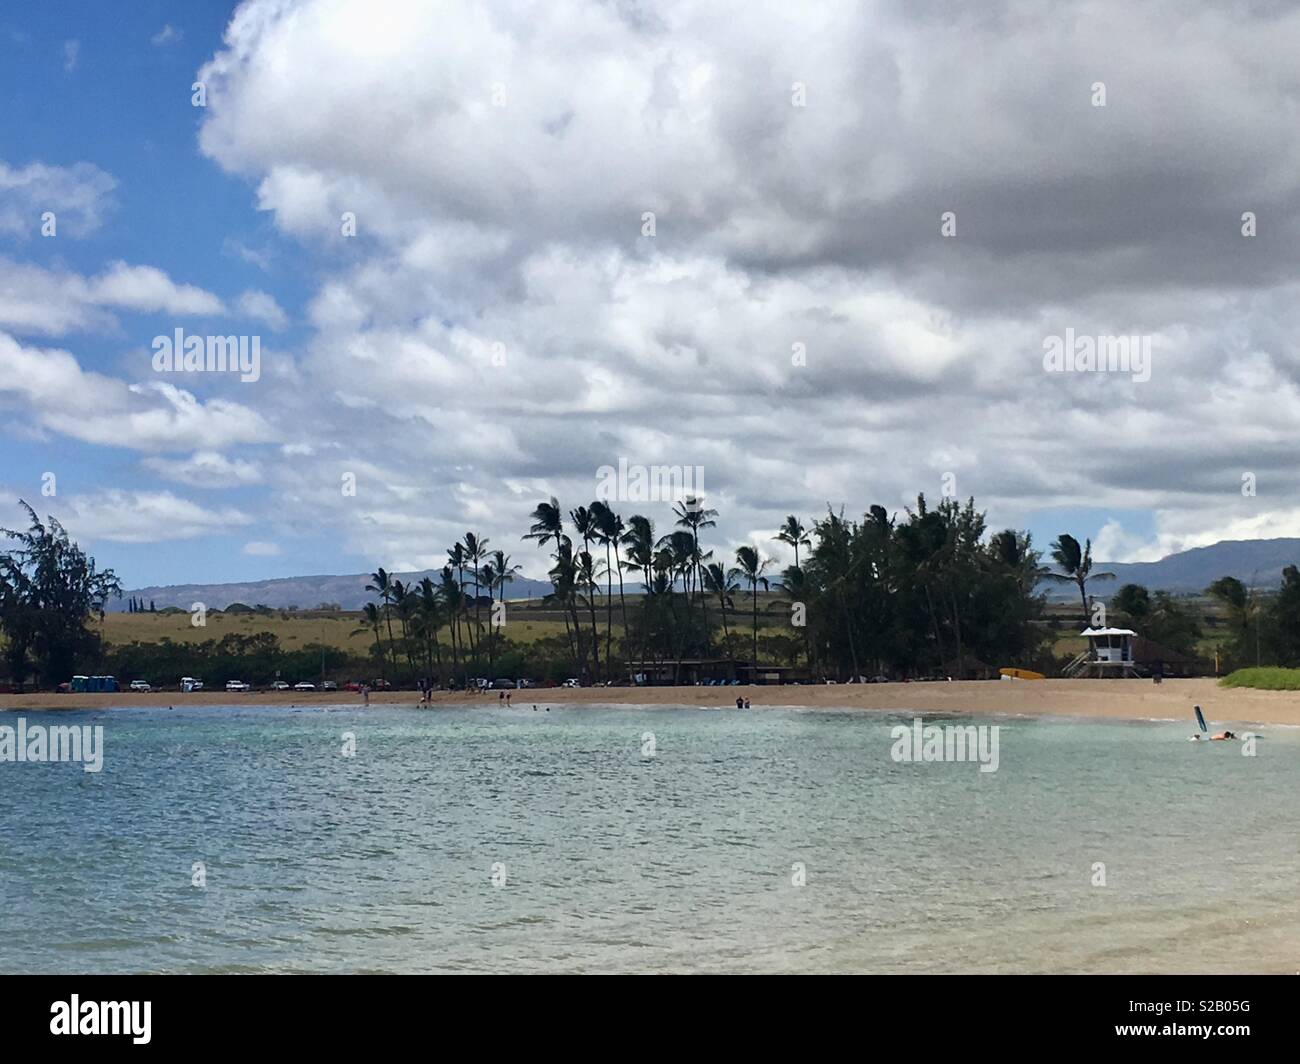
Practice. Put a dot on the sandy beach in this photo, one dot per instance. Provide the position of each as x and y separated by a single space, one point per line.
1115 699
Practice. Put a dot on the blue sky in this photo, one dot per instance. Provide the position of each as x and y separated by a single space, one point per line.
120 98
501 327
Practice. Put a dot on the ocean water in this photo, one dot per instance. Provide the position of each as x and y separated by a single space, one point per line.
608 860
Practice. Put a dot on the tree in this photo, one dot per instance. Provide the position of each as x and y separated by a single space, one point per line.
49 590
1284 619
717 581
584 523
1134 601
374 623
1076 567
751 567
475 551
1243 609
381 584
1172 624
692 515
794 534
609 528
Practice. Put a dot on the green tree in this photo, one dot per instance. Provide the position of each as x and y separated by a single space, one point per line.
1076 567
750 567
49 590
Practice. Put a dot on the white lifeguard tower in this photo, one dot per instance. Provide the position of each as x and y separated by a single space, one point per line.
1109 653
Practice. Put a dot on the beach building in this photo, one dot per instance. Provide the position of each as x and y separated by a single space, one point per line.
1109 653
1122 652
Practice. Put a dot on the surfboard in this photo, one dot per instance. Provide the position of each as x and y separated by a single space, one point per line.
1021 674
1200 719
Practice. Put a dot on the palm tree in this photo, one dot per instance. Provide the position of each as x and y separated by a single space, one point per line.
751 567
609 529
794 534
584 523
718 582
548 524
1076 566
475 552
496 573
453 598
381 583
405 602
692 515
639 539
797 585
430 618
564 580
374 622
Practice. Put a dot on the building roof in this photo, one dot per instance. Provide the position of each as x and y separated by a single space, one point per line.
1108 631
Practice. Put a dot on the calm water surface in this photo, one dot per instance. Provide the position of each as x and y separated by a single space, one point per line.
614 861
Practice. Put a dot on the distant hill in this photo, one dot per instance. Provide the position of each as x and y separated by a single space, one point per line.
1257 562
304 592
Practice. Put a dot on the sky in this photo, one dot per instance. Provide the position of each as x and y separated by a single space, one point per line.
821 252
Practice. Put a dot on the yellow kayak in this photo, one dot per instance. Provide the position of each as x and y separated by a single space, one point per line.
1021 674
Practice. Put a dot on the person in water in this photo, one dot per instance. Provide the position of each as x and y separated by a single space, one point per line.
1221 736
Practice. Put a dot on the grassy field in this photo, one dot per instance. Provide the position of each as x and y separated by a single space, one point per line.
1265 679
293 629
525 623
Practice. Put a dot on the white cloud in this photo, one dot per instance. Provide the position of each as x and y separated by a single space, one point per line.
500 328
143 517
71 54
259 549
78 196
35 300
144 288
166 36
54 392
261 306
206 469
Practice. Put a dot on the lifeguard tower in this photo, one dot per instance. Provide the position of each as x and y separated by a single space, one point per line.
1109 653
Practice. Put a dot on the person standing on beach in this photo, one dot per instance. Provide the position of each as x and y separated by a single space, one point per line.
365 693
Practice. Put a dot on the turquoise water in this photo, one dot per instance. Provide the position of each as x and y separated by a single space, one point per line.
615 861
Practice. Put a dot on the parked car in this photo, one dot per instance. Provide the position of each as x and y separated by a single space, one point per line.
141 685
571 682
304 686
189 683
280 685
380 685
329 685
503 685
238 685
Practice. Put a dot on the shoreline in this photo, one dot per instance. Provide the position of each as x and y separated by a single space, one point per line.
1103 699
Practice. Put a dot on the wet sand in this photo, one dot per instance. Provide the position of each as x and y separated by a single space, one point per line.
1115 699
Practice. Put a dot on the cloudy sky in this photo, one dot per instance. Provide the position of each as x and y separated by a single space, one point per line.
868 221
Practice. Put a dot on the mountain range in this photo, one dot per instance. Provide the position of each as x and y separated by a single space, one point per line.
1256 562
